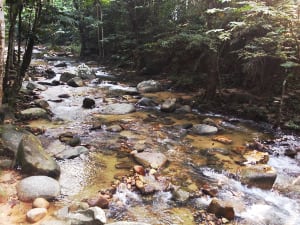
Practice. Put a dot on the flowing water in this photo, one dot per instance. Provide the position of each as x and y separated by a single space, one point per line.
194 161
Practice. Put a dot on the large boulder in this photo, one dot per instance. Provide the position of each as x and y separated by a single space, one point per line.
149 86
151 159
11 137
34 160
34 187
261 176
118 109
66 76
204 129
76 82
34 112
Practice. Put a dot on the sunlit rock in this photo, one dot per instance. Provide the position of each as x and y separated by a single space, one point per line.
118 109
261 176
40 203
151 159
36 214
34 187
254 157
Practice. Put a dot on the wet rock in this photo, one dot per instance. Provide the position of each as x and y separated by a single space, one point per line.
34 187
128 223
181 195
118 90
85 72
147 102
55 83
91 216
96 125
292 153
36 86
149 184
239 150
151 159
71 153
66 76
114 128
75 82
204 129
255 157
36 214
223 140
261 176
88 103
118 109
42 103
168 105
139 170
70 139
60 64
64 96
149 86
34 160
221 209
99 201
34 113
49 73
40 203
201 203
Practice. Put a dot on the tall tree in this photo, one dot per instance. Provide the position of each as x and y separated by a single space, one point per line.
2 48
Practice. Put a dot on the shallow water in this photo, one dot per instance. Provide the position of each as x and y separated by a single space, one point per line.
193 160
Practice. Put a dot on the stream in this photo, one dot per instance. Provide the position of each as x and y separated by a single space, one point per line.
196 163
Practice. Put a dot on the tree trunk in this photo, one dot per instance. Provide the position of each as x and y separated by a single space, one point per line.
2 48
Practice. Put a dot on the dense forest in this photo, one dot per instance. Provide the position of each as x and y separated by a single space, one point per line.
245 53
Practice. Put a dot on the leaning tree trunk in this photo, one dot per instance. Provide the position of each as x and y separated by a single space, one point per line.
2 48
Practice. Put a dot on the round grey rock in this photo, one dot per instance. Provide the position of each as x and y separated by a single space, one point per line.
118 109
34 187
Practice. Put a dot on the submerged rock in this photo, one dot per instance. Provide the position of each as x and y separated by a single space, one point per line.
151 159
34 187
204 129
34 160
118 109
